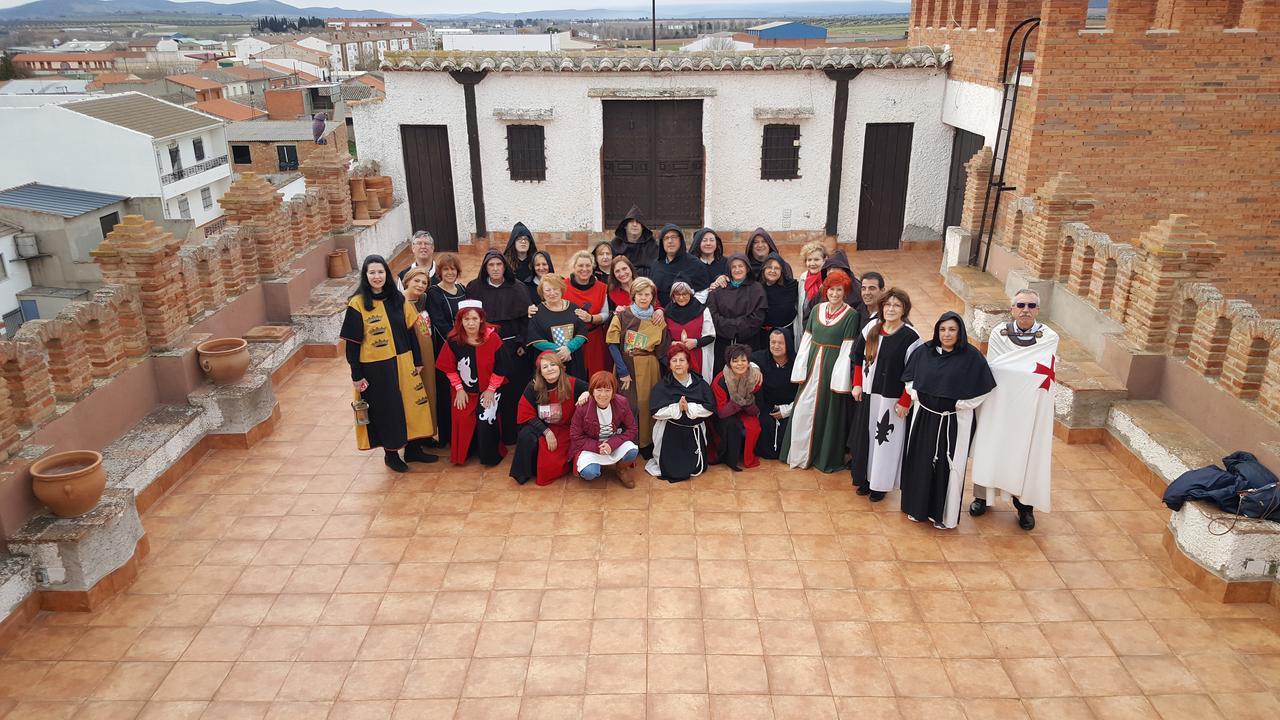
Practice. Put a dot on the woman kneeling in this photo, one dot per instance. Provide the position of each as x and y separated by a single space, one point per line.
603 432
544 414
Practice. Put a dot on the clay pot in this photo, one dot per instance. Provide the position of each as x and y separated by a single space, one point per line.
360 209
357 188
339 263
224 360
69 483
381 185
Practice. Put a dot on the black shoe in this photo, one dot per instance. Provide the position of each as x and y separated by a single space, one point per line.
864 490
646 452
1026 518
978 507
413 453
876 495
394 462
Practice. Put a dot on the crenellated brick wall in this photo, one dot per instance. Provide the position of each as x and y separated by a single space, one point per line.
1167 109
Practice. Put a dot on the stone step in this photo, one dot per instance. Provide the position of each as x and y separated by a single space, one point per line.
1160 440
17 583
1085 391
145 451
319 321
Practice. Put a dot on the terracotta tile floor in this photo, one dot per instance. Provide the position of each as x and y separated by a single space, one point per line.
300 579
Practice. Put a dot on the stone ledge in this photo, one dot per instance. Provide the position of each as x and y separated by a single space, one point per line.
74 554
1160 444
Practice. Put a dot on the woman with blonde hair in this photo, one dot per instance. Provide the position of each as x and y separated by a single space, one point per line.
417 280
635 337
545 413
557 327
809 283
591 298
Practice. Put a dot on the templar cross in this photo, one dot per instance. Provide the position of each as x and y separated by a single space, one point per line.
1047 371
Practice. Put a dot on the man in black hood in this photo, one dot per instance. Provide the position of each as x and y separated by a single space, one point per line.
506 305
759 246
675 264
635 240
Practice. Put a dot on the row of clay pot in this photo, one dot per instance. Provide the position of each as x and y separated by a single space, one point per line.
370 196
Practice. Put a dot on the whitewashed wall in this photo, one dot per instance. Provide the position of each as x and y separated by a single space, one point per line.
973 107
735 196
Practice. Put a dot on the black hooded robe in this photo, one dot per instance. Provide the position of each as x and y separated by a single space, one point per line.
719 265
643 254
682 268
947 386
507 307
780 297
738 313
755 266
523 269
777 394
680 448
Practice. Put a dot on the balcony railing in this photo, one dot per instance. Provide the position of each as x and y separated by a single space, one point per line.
186 172
213 227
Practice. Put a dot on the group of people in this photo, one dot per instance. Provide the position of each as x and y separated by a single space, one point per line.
651 348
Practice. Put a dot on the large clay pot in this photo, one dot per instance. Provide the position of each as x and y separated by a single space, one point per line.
69 483
357 188
360 209
224 360
339 263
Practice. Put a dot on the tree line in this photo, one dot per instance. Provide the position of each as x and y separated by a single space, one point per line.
285 24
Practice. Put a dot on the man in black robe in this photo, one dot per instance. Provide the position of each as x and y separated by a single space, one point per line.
635 240
675 264
506 305
777 393
759 247
871 291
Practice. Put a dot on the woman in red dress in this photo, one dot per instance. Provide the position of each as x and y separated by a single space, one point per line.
591 297
735 389
545 414
476 364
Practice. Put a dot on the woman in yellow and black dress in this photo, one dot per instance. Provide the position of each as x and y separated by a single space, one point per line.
386 367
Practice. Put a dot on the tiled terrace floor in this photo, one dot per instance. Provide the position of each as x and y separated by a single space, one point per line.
300 579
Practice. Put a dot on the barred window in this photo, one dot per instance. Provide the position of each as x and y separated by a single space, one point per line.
526 152
780 152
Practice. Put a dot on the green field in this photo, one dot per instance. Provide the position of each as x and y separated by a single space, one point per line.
876 29
206 32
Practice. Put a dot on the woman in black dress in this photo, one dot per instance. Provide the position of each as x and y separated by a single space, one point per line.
737 309
557 329
709 250
681 404
946 378
506 304
443 299
780 293
519 253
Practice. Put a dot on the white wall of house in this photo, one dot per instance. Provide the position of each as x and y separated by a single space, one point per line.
61 147
735 196
14 276
194 198
973 107
524 42
246 48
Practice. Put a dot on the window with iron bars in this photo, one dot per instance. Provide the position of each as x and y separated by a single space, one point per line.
526 152
780 153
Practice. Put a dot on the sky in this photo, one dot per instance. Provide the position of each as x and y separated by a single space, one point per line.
424 7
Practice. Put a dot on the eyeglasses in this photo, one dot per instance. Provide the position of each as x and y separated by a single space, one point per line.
1031 306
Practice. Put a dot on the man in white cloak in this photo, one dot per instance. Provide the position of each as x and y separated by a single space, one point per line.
1013 445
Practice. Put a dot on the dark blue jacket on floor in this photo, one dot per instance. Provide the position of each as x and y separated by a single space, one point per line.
1222 487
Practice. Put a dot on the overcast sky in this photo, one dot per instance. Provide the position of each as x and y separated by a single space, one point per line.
424 7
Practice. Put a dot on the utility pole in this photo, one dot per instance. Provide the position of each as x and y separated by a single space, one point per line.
653 26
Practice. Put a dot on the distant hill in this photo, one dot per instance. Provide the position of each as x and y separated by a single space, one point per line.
698 10
53 9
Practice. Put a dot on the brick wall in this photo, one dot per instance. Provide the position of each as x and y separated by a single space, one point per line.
286 104
265 160
1169 109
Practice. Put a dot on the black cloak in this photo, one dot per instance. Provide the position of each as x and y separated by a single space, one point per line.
755 265
523 268
738 313
781 296
717 267
683 267
960 374
642 254
507 305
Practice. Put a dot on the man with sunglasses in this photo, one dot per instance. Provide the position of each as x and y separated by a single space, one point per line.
1013 445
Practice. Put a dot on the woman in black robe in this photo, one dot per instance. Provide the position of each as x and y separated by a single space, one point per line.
759 247
443 299
708 249
385 360
737 310
506 304
681 404
675 264
777 394
519 254
946 378
780 294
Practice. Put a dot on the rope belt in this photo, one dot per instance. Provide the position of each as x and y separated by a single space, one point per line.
944 434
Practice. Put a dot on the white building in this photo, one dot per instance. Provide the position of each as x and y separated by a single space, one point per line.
14 278
569 142
719 42
512 42
246 48
37 86
128 144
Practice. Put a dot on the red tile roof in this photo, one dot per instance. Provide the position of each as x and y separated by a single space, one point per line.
229 110
193 81
372 81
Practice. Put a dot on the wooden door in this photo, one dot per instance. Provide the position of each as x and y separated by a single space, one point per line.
653 158
429 179
963 147
882 208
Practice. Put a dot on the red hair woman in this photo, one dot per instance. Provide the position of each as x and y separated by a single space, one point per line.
818 432
474 360
544 413
603 431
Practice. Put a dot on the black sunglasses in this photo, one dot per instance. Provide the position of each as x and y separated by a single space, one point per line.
1032 306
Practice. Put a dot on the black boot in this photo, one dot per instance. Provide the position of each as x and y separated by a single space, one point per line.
1026 515
978 507
876 495
394 462
415 453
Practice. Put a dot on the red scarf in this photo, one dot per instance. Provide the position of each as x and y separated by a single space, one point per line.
811 283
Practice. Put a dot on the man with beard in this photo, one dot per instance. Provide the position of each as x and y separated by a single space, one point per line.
635 240
506 305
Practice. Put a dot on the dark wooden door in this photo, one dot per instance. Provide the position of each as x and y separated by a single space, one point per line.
429 177
653 157
886 158
963 147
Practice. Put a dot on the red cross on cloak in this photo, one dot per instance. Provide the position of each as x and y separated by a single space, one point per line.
1047 371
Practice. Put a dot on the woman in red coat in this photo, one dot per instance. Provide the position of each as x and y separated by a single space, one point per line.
603 432
544 414
476 364
591 297
735 388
